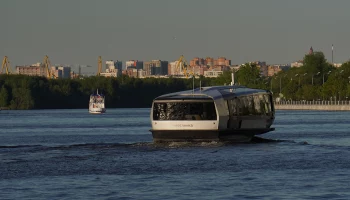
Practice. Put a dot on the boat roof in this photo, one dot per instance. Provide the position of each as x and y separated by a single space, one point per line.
213 92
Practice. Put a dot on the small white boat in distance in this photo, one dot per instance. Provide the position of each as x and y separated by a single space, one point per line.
97 103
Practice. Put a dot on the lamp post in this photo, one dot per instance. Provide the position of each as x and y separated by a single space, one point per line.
303 76
323 84
271 85
313 77
296 76
281 82
340 87
323 76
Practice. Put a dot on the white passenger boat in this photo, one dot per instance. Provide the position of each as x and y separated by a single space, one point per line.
97 103
234 113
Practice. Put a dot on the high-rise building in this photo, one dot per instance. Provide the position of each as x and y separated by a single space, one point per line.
156 67
113 69
134 64
222 61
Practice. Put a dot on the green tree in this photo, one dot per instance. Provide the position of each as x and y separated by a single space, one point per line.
248 75
316 63
4 97
22 99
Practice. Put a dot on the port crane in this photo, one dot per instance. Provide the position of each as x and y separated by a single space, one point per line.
99 66
182 63
47 67
6 66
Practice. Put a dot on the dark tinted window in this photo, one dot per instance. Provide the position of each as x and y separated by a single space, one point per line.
259 104
184 111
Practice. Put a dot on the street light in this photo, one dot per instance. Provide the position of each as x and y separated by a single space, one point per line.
339 75
281 82
299 76
271 83
303 76
313 77
323 76
323 84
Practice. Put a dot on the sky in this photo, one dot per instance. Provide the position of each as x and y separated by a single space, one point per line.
78 31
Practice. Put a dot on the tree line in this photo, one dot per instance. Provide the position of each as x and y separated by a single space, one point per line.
316 80
34 92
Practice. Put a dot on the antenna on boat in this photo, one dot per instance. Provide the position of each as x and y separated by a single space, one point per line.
97 91
192 84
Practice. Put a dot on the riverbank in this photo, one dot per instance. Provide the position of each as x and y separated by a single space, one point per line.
313 105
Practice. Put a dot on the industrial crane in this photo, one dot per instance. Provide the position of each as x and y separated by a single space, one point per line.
182 63
6 66
47 66
99 66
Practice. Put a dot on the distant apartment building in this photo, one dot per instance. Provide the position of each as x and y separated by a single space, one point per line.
110 64
263 70
199 70
221 61
113 69
134 64
136 73
197 61
274 69
156 67
212 73
31 70
131 72
141 73
56 72
176 69
298 63
39 69
209 61
110 73
172 70
337 64
61 72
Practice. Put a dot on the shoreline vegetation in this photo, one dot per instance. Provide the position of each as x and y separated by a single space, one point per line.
21 92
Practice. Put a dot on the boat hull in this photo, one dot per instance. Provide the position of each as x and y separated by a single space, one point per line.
97 111
237 135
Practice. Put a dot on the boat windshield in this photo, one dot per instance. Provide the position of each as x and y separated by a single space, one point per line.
184 111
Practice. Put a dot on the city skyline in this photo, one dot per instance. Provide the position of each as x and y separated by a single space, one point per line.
77 32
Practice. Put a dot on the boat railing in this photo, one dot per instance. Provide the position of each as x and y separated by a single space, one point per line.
314 102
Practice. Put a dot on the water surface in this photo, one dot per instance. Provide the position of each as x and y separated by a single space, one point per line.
71 154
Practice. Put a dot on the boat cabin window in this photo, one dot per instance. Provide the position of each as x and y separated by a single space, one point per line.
259 104
184 111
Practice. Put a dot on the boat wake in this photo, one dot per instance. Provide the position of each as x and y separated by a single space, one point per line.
255 140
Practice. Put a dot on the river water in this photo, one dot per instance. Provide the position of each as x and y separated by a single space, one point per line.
71 154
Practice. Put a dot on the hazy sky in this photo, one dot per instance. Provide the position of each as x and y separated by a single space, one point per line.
78 31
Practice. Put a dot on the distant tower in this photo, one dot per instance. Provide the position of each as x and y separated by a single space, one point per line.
311 51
